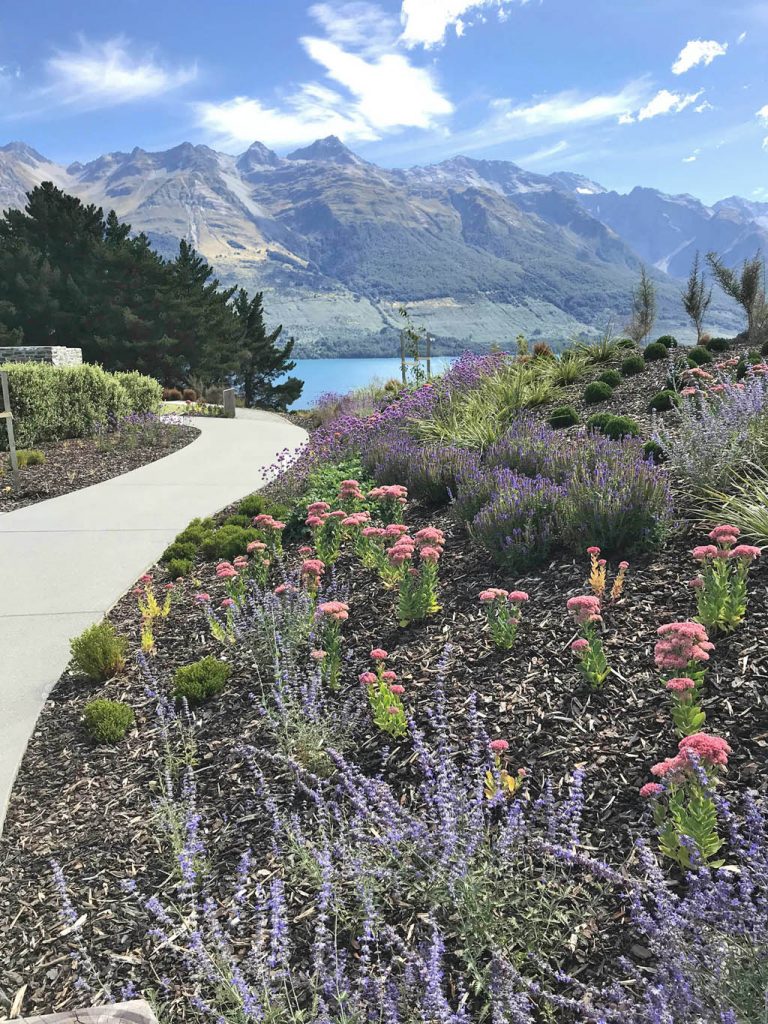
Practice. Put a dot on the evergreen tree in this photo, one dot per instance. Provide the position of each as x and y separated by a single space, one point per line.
261 360
643 309
748 289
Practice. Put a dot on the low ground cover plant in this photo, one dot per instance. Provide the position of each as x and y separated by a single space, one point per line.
200 680
597 391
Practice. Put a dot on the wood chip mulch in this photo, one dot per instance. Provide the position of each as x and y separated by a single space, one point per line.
80 462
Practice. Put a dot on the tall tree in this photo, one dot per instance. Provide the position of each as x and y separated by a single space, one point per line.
747 287
261 361
643 313
696 297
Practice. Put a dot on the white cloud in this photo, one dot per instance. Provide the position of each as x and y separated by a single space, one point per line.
692 158
565 109
381 90
543 154
705 105
765 143
741 38
425 21
666 102
698 51
105 74
762 114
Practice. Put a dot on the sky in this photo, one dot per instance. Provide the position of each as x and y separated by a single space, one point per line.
668 94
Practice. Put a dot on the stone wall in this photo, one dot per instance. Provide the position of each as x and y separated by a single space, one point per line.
55 355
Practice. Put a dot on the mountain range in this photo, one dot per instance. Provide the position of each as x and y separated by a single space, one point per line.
478 250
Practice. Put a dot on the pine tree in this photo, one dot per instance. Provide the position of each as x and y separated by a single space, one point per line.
643 309
260 360
696 298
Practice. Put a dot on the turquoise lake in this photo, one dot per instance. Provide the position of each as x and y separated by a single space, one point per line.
341 375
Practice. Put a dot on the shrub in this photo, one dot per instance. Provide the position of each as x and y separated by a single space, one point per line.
517 526
610 377
145 394
597 421
664 401
667 340
171 395
50 403
189 395
30 457
656 350
196 532
563 416
621 426
541 350
108 720
200 680
254 505
568 369
632 365
625 343
179 549
653 450
177 567
227 542
718 344
238 520
597 391
99 652
697 356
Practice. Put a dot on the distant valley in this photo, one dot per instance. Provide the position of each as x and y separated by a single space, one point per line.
478 250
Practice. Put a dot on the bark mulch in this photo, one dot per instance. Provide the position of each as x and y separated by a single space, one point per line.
79 462
92 807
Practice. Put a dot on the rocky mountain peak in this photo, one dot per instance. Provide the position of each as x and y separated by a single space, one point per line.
328 150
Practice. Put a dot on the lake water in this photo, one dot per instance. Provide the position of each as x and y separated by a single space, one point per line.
342 375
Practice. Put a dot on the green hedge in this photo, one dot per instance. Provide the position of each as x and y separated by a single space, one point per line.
50 403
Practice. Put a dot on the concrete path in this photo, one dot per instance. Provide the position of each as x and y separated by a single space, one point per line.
65 562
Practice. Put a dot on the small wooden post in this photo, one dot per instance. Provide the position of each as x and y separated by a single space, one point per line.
229 403
7 415
429 355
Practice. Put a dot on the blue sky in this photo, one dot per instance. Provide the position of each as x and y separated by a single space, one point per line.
666 93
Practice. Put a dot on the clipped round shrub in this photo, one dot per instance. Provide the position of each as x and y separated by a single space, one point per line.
656 350
171 395
654 451
598 420
108 721
238 520
99 652
177 567
189 395
30 457
610 377
196 532
667 340
252 505
697 356
633 365
144 393
718 344
200 680
563 416
597 391
613 426
621 426
664 401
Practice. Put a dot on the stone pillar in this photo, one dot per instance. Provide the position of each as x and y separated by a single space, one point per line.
54 355
229 403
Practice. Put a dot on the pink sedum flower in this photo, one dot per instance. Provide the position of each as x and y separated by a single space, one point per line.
491 594
389 675
651 789
579 646
318 655
518 597
337 610
585 609
368 678
680 684
704 551
498 746
746 551
397 689
377 654
429 554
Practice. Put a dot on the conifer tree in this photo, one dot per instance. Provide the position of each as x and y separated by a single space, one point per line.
261 361
696 298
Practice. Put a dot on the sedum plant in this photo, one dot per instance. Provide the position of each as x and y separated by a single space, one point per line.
589 648
721 587
503 612
385 696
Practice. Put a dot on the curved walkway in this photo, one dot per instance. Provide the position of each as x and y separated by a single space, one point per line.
66 561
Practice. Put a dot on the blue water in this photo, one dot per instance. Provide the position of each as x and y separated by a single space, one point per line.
342 375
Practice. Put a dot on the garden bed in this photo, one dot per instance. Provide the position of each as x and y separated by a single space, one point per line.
533 695
80 462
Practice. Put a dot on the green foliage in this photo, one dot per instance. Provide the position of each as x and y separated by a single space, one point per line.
569 369
745 505
260 359
323 485
30 457
746 287
656 350
610 377
614 426
179 549
633 365
145 394
719 344
200 680
227 542
667 340
653 450
698 356
665 400
254 505
108 721
563 416
604 350
238 520
99 652
597 391
643 308
176 567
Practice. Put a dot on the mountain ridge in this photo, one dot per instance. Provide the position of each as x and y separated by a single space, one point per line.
479 250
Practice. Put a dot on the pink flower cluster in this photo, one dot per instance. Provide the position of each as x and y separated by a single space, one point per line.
498 746
428 541
349 490
390 492
356 519
336 610
267 522
701 747
681 643
497 593
226 571
680 684
584 609
312 568
256 545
